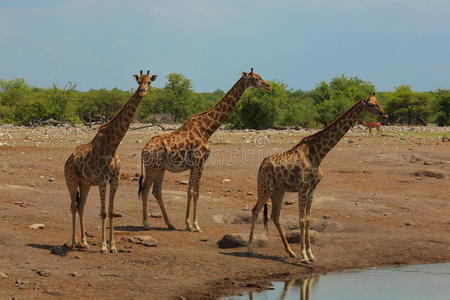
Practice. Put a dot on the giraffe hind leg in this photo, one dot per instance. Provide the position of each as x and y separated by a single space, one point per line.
157 192
147 182
72 185
81 201
277 198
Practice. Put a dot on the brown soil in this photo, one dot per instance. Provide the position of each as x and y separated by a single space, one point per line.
389 195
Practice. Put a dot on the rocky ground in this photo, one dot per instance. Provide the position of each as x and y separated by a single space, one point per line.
384 200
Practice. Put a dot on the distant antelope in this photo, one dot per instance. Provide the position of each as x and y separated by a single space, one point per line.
371 125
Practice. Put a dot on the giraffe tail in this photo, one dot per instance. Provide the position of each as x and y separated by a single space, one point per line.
141 177
266 219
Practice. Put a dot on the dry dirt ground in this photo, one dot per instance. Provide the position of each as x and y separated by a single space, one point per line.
386 201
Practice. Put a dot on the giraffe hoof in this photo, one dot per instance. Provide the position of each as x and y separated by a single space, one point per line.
171 227
103 251
197 230
304 261
81 245
113 250
292 255
188 228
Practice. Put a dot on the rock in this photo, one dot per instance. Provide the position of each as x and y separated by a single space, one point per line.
183 182
226 180
117 215
326 217
145 240
204 239
43 273
3 275
289 202
156 215
249 194
73 274
332 227
90 284
245 207
433 174
124 251
37 226
409 224
293 236
78 257
51 179
240 240
57 250
89 234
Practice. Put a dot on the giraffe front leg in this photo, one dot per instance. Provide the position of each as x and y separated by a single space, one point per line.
308 221
102 189
197 174
112 192
302 198
188 208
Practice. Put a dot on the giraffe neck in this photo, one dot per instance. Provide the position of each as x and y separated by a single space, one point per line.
111 133
211 119
323 141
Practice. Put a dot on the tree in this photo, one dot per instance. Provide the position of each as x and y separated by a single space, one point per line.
176 99
334 98
302 114
259 108
443 107
406 106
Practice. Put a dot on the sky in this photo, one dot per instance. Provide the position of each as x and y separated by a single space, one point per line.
100 44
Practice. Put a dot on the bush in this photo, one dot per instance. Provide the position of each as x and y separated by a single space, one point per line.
259 108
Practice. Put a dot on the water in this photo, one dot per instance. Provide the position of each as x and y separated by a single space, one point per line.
430 282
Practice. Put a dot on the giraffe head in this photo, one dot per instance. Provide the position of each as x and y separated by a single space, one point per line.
253 79
373 106
144 81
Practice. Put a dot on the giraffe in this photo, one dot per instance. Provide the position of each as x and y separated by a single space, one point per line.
371 125
96 163
187 149
298 170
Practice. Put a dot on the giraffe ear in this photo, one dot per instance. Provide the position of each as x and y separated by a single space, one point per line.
153 78
136 77
365 100
245 75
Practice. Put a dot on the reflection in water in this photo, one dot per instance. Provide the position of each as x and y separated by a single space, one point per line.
414 282
304 285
